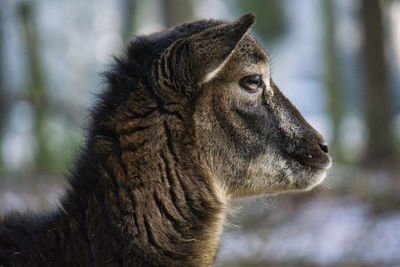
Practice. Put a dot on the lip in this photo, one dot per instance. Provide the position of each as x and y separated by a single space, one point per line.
320 166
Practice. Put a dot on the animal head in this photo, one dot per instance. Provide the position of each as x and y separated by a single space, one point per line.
245 131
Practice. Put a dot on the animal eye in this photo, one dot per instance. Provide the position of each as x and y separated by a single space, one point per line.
251 83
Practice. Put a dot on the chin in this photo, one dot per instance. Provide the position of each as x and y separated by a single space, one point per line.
310 178
316 179
274 177
306 177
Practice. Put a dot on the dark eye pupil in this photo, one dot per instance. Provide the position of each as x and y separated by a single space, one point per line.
254 80
251 83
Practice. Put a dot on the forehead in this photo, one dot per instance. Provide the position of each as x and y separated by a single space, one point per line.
248 47
248 57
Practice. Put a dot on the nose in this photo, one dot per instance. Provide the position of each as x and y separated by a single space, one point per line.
323 146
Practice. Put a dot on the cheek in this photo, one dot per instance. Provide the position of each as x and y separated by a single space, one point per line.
269 171
253 127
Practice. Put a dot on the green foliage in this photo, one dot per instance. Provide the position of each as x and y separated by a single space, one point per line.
177 11
270 18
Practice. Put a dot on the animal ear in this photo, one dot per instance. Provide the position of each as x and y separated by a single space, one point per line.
209 50
196 59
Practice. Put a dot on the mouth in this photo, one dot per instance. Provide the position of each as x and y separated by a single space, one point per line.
311 173
312 163
320 166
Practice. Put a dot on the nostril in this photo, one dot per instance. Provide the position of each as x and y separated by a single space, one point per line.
324 146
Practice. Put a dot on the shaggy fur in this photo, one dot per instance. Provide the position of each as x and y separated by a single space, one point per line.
172 139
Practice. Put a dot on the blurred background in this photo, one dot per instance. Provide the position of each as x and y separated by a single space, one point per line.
338 61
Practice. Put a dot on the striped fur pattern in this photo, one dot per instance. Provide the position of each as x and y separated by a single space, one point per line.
172 139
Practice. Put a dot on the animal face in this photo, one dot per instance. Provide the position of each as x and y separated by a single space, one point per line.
253 140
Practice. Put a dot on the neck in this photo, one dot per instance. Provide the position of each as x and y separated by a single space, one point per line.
144 198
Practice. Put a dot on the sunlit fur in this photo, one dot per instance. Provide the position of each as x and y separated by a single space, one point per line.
173 138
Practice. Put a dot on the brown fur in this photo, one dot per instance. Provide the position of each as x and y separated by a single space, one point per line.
173 138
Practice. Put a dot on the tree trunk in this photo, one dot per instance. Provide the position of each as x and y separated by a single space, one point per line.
3 112
36 89
176 11
128 26
378 105
336 103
